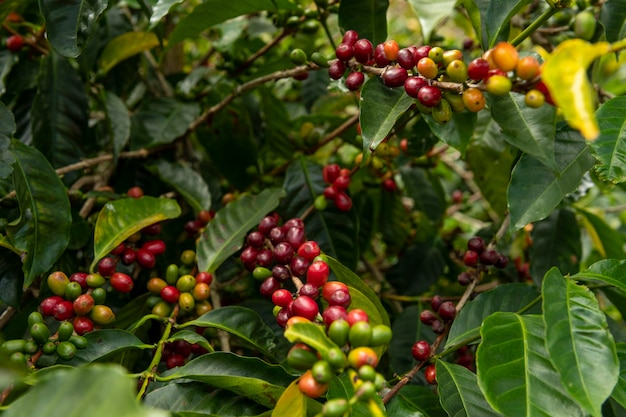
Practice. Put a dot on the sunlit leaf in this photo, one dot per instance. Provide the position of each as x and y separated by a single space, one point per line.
515 371
122 218
610 147
619 392
605 239
185 181
576 336
293 402
498 17
312 334
124 46
611 271
44 228
160 10
459 393
430 13
565 75
367 17
224 235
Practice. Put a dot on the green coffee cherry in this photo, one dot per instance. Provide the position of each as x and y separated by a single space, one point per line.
99 295
336 407
585 25
360 334
65 331
301 359
261 273
66 350
49 348
162 309
442 112
186 301
40 332
18 358
186 283
381 335
188 257
367 373
339 331
336 358
320 203
95 280
72 291
298 56
319 60
31 347
34 317
171 274
12 346
322 371
79 341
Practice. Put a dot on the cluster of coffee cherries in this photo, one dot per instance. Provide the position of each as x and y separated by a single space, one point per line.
477 257
179 352
64 342
194 227
440 80
180 287
338 180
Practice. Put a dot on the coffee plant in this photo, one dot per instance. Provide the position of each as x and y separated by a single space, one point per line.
312 208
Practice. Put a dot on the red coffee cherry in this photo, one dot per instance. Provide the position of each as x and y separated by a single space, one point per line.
341 297
421 350
350 37
413 84
170 294
82 325
135 192
355 80
330 173
306 307
470 258
283 253
309 250
121 282
204 278
379 56
447 310
363 51
269 286
155 247
63 310
489 257
47 305
341 183
152 230
431 374
395 77
356 315
81 278
429 96
310 290
336 69
267 224
281 273
299 266
435 302
129 256
317 273
427 317
15 43
83 304
478 69
343 201
406 58
265 258
145 258
106 266
330 287
344 52
333 313
282 297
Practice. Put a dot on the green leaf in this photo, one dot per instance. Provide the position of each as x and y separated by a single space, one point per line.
332 229
349 278
122 218
224 235
212 12
606 240
7 121
477 13
191 337
161 121
611 271
577 335
426 191
368 18
7 128
530 130
249 377
11 278
160 10
459 393
193 397
457 132
415 401
44 229
430 13
515 371
187 182
342 387
613 18
498 18
59 112
610 147
118 122
102 344
7 60
105 390
380 107
565 75
536 190
406 330
619 392
70 23
123 47
242 322
556 242
506 298
312 334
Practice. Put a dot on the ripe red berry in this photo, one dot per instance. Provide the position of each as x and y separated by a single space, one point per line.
265 258
204 278
413 84
106 267
317 273
502 262
330 173
174 360
429 95
135 192
277 235
83 304
489 257
81 278
336 69
356 315
119 249
63 310
464 278
330 287
309 250
379 56
15 43
129 256
310 290
341 183
422 52
152 230
82 325
431 374
47 305
406 58
306 307
470 258
333 313
268 287
390 185
350 37
281 273
395 77
145 258
447 310
355 80
343 201
282 297
248 256
363 51
170 294
121 282
299 266
267 224
476 243
477 69
427 317
295 236
421 350
344 51
155 247
283 253
340 297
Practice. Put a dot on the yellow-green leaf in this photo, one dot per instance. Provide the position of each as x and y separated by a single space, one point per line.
291 403
565 75
125 46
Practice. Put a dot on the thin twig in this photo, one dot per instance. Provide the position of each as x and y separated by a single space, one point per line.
6 315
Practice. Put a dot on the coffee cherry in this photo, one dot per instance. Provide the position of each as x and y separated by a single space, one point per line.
309 250
330 287
427 68
204 278
343 202
442 112
155 247
381 335
66 350
121 282
330 173
464 278
268 287
534 99
336 69
298 56
83 304
186 302
330 193
299 266
470 258
170 294
295 237
363 51
282 297
457 71
265 258
306 307
101 314
310 387
301 357
283 253
341 183
429 96
436 54
394 77
106 266
476 244
477 69
421 351
81 278
186 283
128 257
310 290
356 315
451 55
63 310
336 407
431 374
447 310
341 298
135 192
201 291
584 25
362 355
57 281
152 230
350 37
15 43
162 309
546 93
499 85
390 185
334 313
338 331
406 58
65 330
267 224
344 52
413 84
489 257
39 332
281 273
505 56
502 262
317 273
527 68
79 341
322 371
145 258
379 56
360 334
72 291
355 80
49 348
391 49
422 52
473 99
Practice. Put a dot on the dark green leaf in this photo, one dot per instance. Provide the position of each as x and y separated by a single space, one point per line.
44 229
70 23
191 337
577 336
477 12
613 18
225 233
349 278
619 392
333 230
368 18
407 328
118 122
59 112
160 10
249 377
242 322
498 18
161 121
610 147
6 157
611 271
380 107
430 13
426 191
11 278
212 12
105 390
415 401
420 266
606 240
556 242
506 298
122 218
103 344
457 132
459 393
7 60
187 182
536 190
7 121
515 371
530 130
193 397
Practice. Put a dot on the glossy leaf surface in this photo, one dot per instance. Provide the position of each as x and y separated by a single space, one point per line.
104 343
415 401
312 334
498 17
459 393
125 46
367 17
430 13
187 182
161 121
610 147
